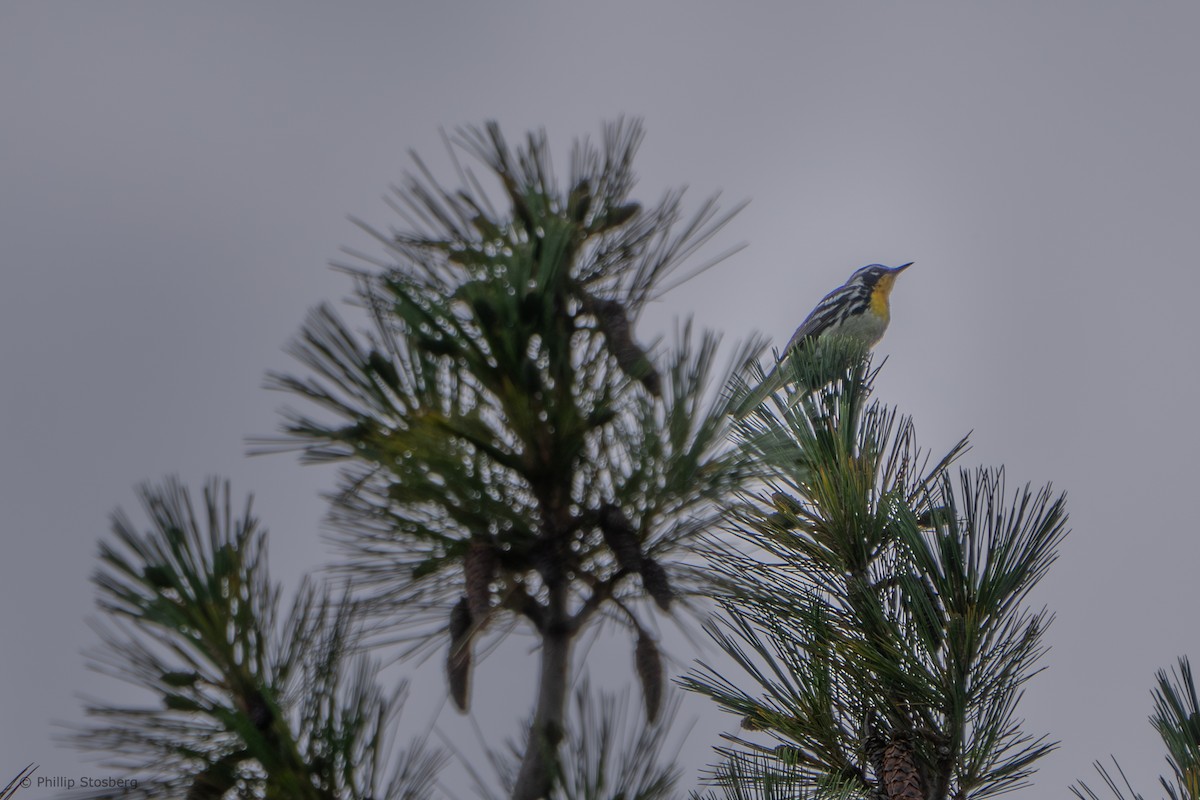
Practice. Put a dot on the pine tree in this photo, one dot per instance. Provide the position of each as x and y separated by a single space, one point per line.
249 701
876 606
511 449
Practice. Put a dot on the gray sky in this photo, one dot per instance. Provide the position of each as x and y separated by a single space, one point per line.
174 179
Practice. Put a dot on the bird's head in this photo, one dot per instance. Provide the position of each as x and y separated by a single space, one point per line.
877 276
878 280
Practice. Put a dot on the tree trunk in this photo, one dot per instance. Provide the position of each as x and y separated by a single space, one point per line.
535 779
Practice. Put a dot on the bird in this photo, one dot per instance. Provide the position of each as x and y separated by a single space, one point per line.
856 312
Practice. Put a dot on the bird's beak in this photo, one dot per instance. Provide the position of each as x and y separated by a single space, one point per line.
903 267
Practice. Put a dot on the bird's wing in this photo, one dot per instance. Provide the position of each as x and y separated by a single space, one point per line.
821 317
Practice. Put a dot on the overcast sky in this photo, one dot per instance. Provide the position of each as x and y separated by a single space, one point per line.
174 179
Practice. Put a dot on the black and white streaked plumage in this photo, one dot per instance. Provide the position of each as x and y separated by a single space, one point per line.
857 311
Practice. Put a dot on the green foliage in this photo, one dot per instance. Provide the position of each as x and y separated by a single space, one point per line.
876 603
500 400
1176 717
505 438
249 701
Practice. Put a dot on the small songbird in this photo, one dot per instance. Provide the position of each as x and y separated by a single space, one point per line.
858 311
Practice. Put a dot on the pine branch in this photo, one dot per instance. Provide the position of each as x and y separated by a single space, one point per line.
246 697
875 599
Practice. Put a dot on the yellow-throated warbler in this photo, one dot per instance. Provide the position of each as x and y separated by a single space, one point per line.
857 311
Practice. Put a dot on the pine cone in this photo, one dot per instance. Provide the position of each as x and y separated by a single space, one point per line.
479 568
874 748
901 776
632 359
786 504
759 719
579 201
458 660
620 536
650 671
615 217
654 579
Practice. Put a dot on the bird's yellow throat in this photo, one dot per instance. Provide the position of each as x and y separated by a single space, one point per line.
880 294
